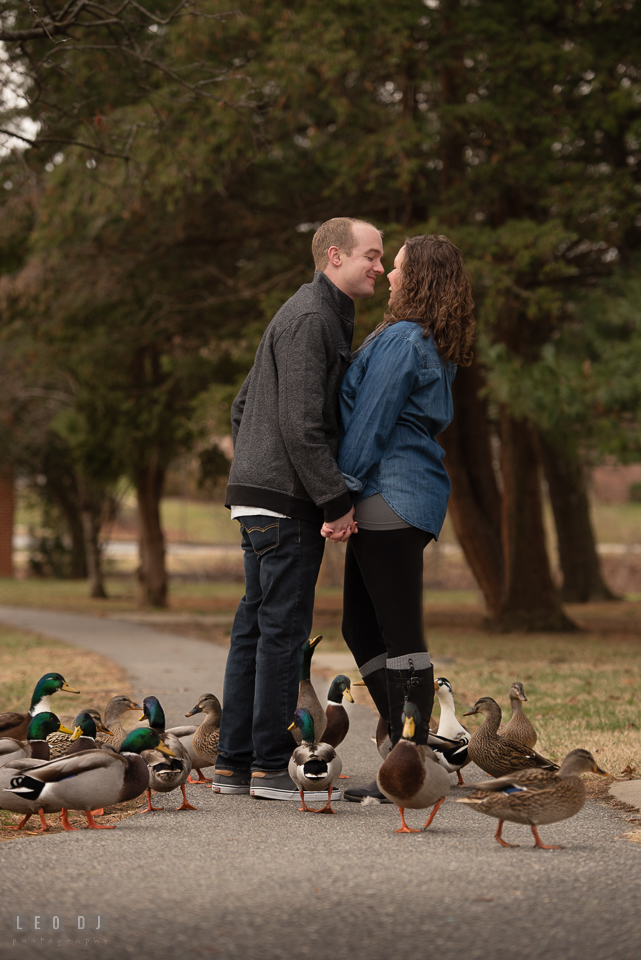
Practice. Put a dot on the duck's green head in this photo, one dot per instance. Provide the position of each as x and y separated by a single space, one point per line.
43 724
411 719
153 713
340 687
305 723
47 686
84 725
308 651
144 738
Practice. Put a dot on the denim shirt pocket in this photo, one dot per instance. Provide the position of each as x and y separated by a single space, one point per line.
261 534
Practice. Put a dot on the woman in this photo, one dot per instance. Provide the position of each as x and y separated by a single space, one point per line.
395 399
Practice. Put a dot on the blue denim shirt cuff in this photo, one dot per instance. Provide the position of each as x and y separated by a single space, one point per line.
352 484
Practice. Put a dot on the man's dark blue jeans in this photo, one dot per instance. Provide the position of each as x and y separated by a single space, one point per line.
273 620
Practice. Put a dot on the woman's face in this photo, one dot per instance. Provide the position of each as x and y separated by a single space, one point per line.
394 276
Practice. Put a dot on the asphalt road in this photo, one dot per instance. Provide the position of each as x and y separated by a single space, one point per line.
256 879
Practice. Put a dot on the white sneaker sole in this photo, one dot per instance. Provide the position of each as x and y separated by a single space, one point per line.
229 788
272 793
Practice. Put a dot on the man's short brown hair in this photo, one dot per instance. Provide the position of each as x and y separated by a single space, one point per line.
335 233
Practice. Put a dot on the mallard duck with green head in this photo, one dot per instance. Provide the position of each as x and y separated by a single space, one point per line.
84 781
165 774
411 776
337 725
85 730
535 796
60 742
519 727
35 746
500 756
307 699
15 724
313 766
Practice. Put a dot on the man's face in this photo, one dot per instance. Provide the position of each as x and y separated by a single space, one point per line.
358 272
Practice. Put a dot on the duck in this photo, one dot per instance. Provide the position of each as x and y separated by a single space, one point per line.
307 699
536 796
313 766
452 758
337 725
519 727
496 755
165 775
15 725
81 781
84 734
60 742
201 742
411 776
114 712
35 745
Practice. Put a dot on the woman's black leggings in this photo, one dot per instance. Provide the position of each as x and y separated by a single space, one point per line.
383 593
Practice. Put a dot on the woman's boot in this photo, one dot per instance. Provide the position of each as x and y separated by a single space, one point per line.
414 685
376 683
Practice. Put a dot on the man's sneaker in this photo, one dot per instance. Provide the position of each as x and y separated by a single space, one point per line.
231 781
278 785
369 792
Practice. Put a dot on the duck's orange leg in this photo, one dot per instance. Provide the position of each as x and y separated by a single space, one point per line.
185 805
97 826
304 808
150 805
461 781
19 826
433 813
201 777
500 839
537 841
328 806
64 816
405 828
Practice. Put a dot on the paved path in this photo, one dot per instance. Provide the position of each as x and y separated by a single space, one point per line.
256 880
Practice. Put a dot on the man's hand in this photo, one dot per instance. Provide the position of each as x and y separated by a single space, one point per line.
338 531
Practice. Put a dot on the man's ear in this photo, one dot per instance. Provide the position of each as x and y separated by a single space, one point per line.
334 256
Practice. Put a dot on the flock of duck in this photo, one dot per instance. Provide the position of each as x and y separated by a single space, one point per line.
48 768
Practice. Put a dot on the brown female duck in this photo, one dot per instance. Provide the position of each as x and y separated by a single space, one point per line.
536 796
201 742
497 755
519 728
115 711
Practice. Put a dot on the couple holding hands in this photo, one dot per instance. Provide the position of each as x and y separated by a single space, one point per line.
330 445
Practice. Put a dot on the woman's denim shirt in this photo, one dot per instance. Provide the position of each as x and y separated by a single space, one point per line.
395 399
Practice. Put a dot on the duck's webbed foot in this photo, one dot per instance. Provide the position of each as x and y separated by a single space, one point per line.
19 826
91 823
185 805
537 841
328 806
405 828
150 805
64 816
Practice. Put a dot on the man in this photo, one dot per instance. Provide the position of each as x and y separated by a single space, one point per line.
284 484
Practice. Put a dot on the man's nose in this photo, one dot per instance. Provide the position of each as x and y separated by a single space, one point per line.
379 268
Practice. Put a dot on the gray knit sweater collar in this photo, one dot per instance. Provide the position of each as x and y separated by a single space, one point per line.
339 301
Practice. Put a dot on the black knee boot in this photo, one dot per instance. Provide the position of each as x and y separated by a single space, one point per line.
376 683
415 686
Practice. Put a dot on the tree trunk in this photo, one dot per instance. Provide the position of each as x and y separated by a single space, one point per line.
531 600
475 503
152 573
91 529
582 579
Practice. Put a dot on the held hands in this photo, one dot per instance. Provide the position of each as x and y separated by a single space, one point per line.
338 531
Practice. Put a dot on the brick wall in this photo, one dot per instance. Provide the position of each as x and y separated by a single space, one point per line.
7 504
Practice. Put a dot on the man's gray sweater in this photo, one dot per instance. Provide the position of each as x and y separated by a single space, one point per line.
285 420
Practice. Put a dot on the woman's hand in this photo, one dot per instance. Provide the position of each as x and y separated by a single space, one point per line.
338 531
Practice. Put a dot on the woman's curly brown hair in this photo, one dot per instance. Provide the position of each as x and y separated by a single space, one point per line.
435 289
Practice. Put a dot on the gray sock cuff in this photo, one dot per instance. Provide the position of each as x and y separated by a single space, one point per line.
377 663
420 660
